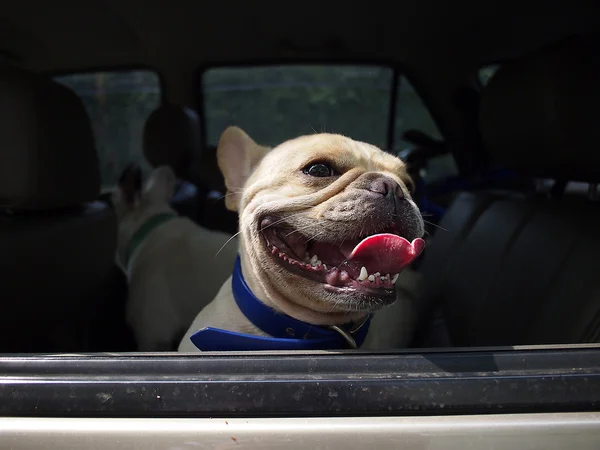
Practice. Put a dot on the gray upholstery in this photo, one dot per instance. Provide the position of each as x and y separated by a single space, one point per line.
516 271
48 158
56 244
172 138
539 113
215 215
510 269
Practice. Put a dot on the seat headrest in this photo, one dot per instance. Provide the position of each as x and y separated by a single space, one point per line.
172 138
209 171
47 154
539 114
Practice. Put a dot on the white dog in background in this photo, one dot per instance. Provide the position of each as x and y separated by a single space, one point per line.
174 267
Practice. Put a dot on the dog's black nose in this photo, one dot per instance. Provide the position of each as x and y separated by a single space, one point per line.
386 187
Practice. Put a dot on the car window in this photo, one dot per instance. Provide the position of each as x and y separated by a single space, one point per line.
412 114
276 103
487 72
118 104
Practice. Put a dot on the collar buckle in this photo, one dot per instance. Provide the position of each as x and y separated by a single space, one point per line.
347 335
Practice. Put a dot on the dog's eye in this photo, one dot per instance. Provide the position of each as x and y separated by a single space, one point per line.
318 170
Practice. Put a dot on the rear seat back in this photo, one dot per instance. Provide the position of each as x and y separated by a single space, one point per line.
512 269
216 216
171 137
57 243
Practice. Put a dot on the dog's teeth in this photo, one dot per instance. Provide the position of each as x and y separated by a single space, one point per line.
313 260
377 274
363 274
324 266
384 278
395 278
319 262
371 277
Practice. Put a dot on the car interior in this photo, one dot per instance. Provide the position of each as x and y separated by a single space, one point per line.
492 111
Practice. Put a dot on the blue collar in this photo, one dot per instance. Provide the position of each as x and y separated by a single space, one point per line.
286 332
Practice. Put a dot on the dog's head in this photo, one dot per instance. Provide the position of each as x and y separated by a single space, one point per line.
135 202
327 223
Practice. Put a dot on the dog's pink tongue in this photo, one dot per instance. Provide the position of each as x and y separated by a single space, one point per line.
386 253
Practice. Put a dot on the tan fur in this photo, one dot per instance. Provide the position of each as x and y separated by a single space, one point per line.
264 182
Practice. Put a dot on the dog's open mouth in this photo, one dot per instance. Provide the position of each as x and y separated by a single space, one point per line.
368 264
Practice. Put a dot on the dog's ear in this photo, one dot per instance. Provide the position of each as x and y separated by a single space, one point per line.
130 184
237 156
161 185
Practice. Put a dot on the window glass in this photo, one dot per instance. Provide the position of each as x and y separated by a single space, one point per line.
118 104
412 114
276 103
487 72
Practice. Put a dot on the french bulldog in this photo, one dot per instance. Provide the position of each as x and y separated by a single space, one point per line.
174 267
327 224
